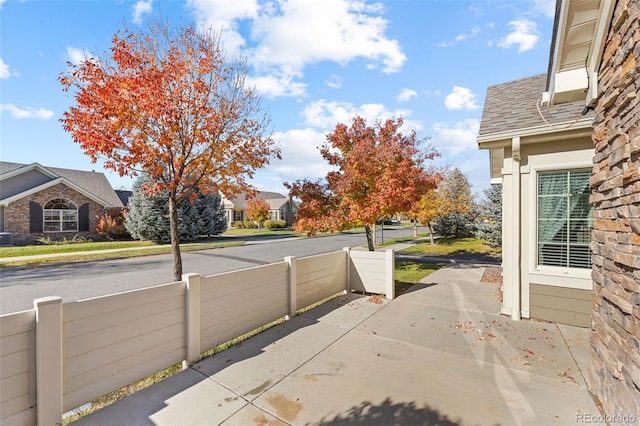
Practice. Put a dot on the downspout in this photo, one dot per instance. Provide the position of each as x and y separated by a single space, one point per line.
515 241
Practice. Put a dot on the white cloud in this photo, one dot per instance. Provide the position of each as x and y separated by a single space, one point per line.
474 32
460 37
300 155
461 98
287 35
224 17
335 82
327 115
2 1
272 86
524 35
4 70
405 95
456 138
140 9
19 113
545 7
77 56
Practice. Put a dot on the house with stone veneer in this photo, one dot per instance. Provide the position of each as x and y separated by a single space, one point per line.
593 64
281 207
38 201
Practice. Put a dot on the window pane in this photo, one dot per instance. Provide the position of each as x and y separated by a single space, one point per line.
51 215
69 226
552 255
51 226
579 257
552 207
579 181
582 208
69 215
552 183
552 230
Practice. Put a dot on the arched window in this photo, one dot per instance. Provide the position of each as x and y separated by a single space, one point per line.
60 215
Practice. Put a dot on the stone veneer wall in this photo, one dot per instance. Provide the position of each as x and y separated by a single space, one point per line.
615 339
17 214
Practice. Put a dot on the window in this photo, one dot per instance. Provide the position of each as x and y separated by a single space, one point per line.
60 215
237 215
565 219
273 214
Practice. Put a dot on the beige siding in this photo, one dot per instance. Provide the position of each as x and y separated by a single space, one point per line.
368 271
115 340
237 302
319 277
559 304
17 375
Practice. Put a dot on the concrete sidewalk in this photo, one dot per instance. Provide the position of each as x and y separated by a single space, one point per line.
438 354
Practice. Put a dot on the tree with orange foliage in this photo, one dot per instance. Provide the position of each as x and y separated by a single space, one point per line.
258 210
379 174
171 104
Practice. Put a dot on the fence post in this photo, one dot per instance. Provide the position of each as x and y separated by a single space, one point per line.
390 268
192 320
49 360
348 286
293 283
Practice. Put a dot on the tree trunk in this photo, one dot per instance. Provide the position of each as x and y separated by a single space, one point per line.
430 233
415 229
175 237
369 233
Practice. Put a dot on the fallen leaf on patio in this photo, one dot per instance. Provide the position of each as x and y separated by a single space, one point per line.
566 375
529 352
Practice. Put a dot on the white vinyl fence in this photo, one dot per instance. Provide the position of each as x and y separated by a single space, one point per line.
59 356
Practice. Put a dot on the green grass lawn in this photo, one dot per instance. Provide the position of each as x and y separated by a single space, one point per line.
68 248
125 249
444 246
410 273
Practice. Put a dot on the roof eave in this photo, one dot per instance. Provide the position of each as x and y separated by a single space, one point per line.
573 83
49 184
558 131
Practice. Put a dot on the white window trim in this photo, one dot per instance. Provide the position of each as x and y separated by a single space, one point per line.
558 276
60 214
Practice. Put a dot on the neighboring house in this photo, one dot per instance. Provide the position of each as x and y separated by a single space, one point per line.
281 207
38 201
594 62
544 168
124 196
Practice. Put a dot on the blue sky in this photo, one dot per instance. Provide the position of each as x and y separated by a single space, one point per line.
316 63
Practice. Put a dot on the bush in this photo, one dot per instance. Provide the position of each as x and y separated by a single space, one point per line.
111 224
275 224
238 224
248 224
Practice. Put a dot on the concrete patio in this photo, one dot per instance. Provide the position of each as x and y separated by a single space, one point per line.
438 354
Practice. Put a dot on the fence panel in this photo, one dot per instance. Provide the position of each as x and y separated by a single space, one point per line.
114 340
17 373
235 303
372 272
319 277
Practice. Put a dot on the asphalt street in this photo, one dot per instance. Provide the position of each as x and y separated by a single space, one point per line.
82 280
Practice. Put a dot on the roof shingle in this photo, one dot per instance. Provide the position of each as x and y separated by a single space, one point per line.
512 106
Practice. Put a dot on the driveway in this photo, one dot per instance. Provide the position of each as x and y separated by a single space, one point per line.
438 354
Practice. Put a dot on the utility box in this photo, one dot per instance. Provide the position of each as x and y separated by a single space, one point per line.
6 239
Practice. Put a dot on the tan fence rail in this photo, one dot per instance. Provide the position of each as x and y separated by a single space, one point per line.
59 356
